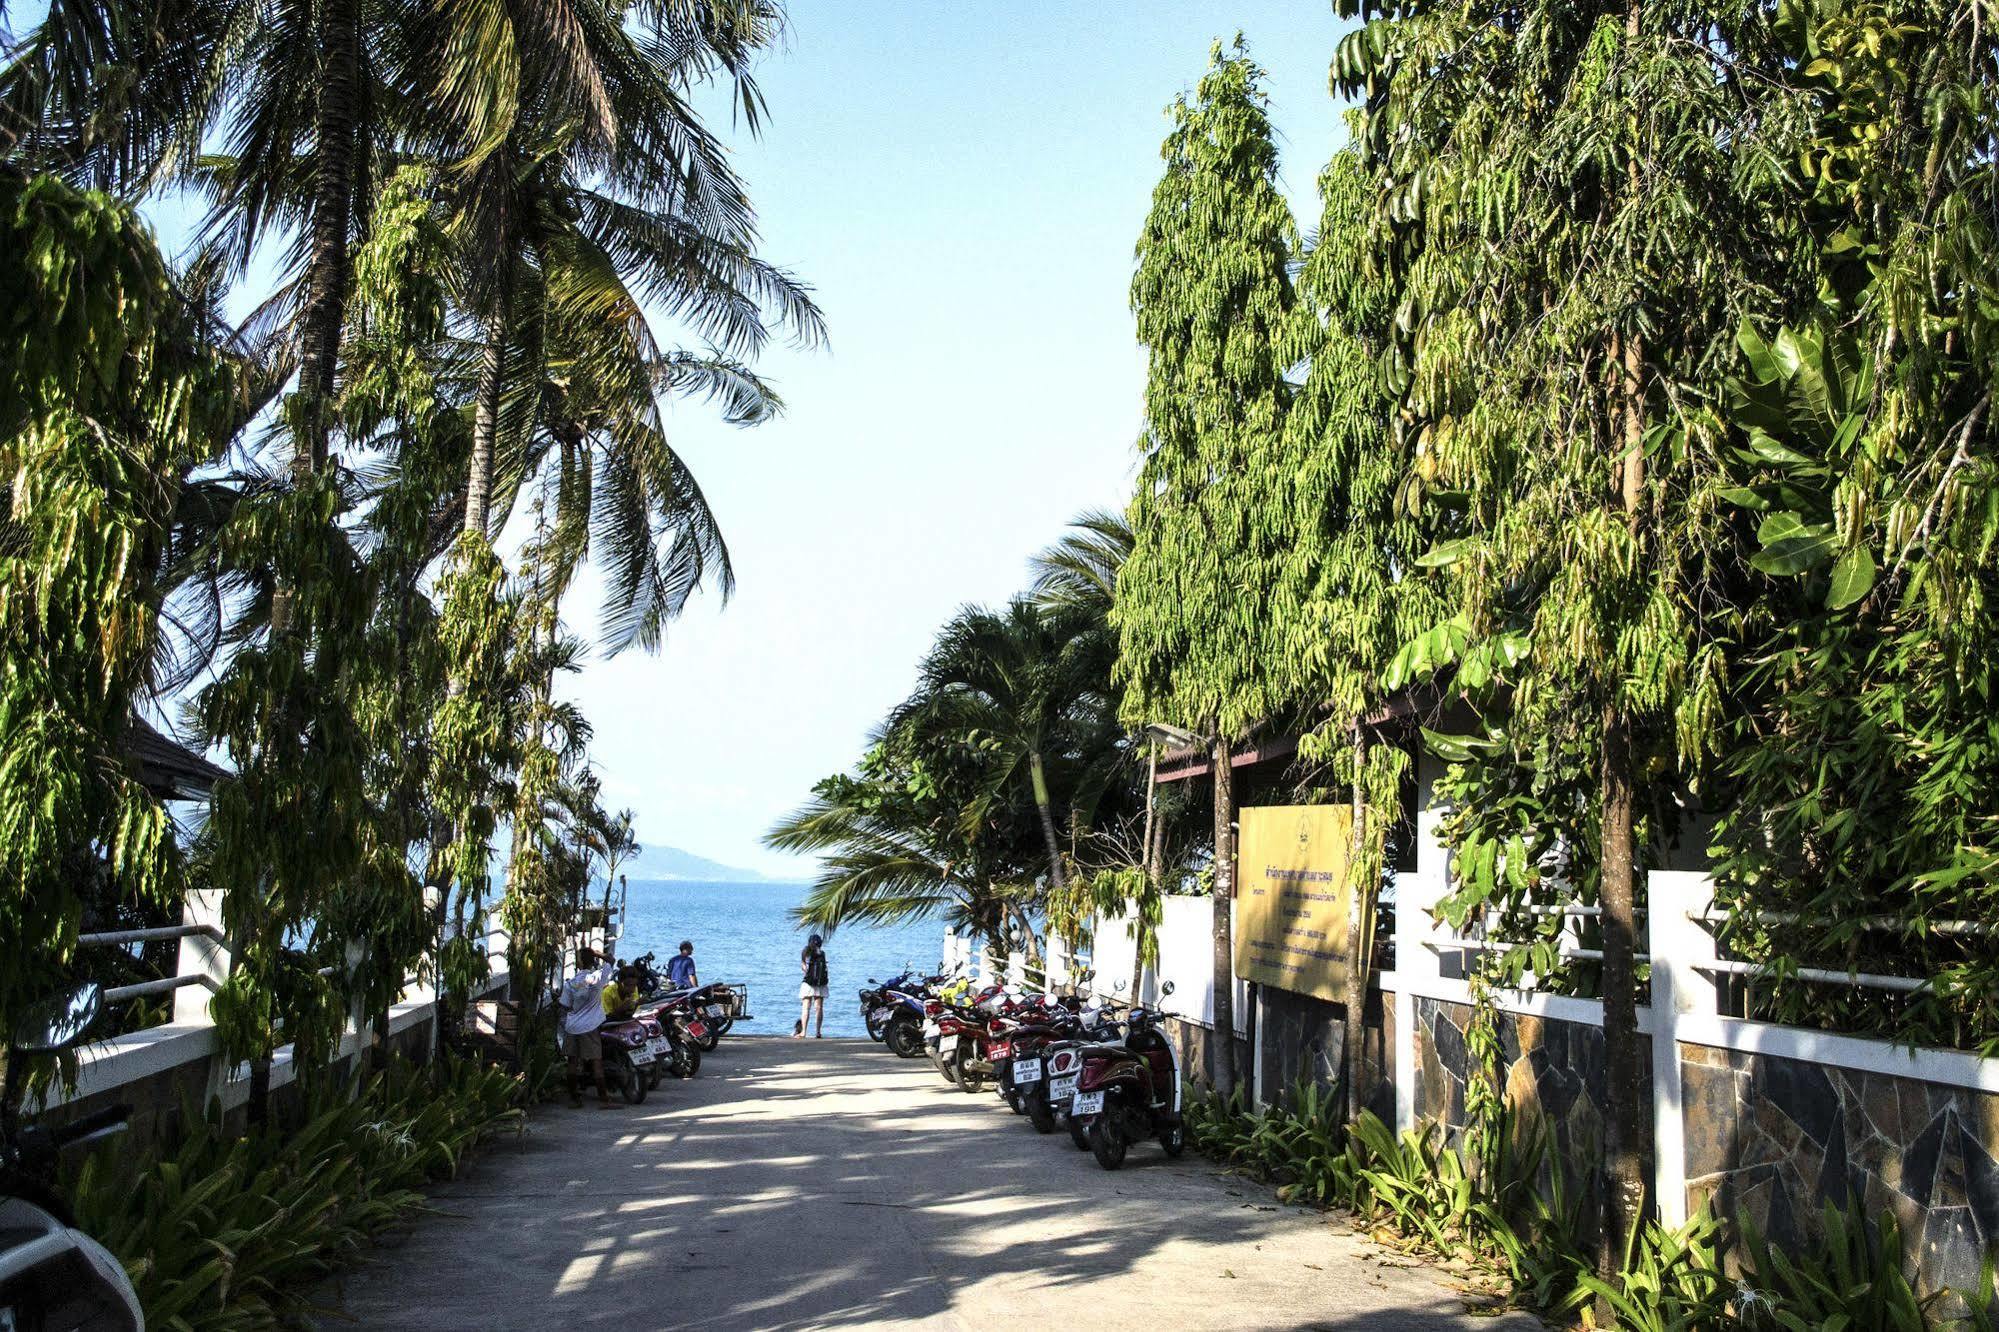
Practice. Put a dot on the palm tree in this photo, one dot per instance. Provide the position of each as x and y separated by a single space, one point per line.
1079 572
1029 686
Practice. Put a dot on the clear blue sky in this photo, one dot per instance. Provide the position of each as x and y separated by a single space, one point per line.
962 184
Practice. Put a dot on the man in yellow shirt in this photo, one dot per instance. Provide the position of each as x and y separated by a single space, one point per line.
621 996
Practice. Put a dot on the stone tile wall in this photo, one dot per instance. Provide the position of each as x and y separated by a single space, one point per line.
1553 1071
1302 1036
1777 1139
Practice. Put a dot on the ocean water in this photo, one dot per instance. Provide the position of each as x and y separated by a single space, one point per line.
743 932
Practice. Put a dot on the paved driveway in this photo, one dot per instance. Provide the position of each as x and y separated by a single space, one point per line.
809 1184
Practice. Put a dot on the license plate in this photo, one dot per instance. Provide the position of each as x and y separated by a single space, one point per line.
931 1029
657 1047
697 1029
1000 1050
1061 1089
1087 1103
882 1014
641 1059
716 1011
1026 1070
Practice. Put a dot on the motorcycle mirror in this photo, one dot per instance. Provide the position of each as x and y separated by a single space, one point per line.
1166 989
1119 986
59 1021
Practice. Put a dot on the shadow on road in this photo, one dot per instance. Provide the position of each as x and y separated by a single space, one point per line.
832 1185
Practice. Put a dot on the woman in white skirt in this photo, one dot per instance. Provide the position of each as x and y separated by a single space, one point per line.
812 989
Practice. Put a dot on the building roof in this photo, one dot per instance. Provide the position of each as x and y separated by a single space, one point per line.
167 768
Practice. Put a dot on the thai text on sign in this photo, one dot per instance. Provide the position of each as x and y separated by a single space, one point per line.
1293 904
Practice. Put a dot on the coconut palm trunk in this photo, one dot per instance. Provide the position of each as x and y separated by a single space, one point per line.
325 314
486 418
1044 806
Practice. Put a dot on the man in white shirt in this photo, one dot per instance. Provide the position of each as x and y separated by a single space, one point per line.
582 1005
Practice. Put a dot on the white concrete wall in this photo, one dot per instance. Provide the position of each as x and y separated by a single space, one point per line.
1186 957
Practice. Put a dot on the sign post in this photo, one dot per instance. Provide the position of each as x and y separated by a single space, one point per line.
1293 904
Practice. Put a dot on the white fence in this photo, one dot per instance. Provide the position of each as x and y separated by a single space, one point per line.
189 1038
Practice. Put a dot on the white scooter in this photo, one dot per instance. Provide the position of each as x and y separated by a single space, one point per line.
53 1277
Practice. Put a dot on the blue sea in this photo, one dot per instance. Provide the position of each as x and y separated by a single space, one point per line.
743 932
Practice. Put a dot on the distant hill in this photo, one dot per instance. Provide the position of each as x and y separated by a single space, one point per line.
670 862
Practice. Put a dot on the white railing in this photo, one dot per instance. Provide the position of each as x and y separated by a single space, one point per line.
1685 1008
188 1036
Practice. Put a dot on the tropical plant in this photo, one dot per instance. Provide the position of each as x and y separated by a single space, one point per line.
110 393
1214 303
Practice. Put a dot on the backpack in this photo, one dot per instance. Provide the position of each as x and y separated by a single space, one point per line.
815 969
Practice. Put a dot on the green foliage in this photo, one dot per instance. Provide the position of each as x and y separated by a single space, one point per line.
1217 557
108 396
231 1232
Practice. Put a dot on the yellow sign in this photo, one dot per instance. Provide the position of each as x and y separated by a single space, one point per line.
1293 907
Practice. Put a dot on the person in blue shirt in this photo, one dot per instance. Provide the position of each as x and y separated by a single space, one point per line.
680 973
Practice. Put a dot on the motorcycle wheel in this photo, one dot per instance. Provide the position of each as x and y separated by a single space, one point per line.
631 1081
875 1029
969 1082
1107 1142
1079 1134
706 1044
1040 1114
903 1037
690 1061
1014 1102
1174 1139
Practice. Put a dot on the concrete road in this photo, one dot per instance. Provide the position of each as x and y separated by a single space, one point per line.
827 1184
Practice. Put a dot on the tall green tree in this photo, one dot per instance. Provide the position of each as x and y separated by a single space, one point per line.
1214 302
110 393
1582 209
1354 591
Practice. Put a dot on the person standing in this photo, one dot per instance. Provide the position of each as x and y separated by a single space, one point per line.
812 988
680 973
582 1004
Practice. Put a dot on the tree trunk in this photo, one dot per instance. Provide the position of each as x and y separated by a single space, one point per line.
1150 870
325 312
257 1109
1045 807
1224 1035
1624 1178
1624 1181
1358 933
486 419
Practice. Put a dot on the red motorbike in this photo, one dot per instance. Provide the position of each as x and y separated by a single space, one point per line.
1016 1044
1129 1091
960 1036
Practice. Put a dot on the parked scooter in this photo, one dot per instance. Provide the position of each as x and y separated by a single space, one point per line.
630 1053
1130 1091
53 1276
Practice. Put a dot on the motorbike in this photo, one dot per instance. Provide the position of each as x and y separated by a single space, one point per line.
632 1048
684 1027
53 1277
963 1036
1017 1042
1129 1091
718 1003
895 1012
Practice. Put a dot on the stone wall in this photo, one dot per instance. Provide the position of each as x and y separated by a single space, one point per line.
1777 1139
1553 1072
1196 1046
1301 1036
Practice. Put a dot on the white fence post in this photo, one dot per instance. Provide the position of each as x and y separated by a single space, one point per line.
1680 943
200 954
1416 963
